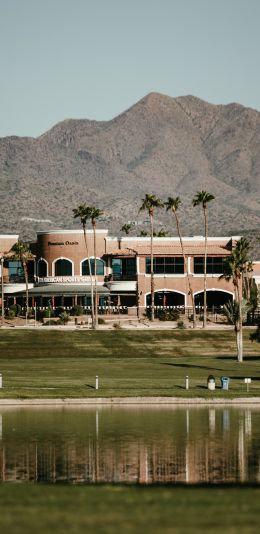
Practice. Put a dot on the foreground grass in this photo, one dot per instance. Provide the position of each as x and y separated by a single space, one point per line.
110 509
55 364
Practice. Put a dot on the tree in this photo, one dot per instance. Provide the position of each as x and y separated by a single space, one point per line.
21 252
149 203
83 213
126 228
173 204
95 213
234 269
161 233
2 290
203 198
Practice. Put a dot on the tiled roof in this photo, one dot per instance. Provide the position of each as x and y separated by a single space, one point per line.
169 250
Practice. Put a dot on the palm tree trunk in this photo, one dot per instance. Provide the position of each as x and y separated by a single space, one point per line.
186 270
91 280
240 327
95 274
2 291
26 291
205 270
152 271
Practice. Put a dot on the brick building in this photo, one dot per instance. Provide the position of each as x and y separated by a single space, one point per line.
60 274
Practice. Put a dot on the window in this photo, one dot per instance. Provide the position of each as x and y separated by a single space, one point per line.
85 267
215 265
164 265
63 268
42 268
123 267
15 271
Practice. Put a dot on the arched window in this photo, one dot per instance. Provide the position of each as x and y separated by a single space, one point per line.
85 267
63 268
42 268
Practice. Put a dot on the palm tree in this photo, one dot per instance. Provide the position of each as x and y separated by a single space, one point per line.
173 204
95 213
149 203
22 253
83 213
234 269
2 290
203 198
126 228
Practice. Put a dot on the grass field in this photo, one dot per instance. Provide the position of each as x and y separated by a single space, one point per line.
59 364
109 509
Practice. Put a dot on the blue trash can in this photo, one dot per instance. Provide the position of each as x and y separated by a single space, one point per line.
224 382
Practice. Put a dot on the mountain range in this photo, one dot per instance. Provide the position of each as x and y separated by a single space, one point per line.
162 145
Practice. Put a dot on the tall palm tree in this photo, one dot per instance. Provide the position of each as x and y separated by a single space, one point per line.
83 213
149 203
173 204
95 213
203 198
234 269
2 290
21 252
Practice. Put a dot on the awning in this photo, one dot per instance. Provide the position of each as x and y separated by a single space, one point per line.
50 290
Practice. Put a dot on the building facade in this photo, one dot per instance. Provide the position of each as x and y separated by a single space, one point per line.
60 275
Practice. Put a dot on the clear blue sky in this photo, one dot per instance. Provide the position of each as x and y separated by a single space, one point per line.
95 58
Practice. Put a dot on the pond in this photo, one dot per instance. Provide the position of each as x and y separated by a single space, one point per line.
133 445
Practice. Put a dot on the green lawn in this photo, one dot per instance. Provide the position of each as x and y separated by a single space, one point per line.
55 364
109 509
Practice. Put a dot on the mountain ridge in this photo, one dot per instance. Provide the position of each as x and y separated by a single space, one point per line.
163 145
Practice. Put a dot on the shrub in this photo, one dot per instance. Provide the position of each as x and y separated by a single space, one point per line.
10 314
45 314
76 310
180 324
51 322
16 308
168 315
255 336
101 320
64 317
58 311
116 326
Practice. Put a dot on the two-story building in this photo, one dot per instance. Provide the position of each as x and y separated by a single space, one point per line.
60 274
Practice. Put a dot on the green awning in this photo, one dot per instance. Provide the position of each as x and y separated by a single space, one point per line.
50 290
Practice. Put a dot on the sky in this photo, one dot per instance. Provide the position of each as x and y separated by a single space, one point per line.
93 59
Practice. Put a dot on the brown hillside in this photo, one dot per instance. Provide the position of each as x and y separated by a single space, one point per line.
163 145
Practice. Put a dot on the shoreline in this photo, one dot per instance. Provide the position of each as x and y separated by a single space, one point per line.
130 401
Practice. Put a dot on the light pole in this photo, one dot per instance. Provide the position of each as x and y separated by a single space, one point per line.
2 289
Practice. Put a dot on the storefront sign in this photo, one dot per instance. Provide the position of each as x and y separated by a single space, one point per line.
64 279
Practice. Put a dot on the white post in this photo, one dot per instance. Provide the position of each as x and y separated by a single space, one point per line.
96 387
187 382
1 381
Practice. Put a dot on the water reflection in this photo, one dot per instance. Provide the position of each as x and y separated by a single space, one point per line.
135 445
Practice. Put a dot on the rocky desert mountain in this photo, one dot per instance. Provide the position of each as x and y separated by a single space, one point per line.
162 145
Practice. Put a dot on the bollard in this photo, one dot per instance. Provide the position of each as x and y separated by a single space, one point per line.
96 387
247 382
187 382
1 381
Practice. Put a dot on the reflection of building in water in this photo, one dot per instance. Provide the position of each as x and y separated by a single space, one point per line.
222 451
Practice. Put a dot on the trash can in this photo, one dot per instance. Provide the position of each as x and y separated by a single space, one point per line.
211 382
224 382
